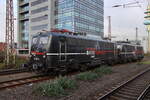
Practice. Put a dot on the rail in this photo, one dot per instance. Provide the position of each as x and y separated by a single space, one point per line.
112 92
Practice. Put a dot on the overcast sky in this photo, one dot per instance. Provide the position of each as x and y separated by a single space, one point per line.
124 20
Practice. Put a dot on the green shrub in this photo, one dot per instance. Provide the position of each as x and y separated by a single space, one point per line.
103 70
87 76
66 83
50 89
56 87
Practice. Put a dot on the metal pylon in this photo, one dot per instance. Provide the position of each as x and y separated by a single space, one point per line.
9 39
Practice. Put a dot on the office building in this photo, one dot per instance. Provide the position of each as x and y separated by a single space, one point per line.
23 23
84 16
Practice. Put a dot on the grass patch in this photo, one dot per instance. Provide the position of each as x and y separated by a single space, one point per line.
57 87
103 70
87 76
62 85
66 83
92 75
147 54
2 65
19 61
50 89
144 62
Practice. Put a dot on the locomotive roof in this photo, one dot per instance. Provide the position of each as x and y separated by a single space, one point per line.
73 36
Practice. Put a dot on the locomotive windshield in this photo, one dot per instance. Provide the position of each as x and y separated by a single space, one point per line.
34 40
40 43
43 41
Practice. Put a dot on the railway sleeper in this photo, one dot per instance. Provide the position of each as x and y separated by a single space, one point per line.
134 88
115 98
147 99
128 93
147 96
127 97
140 84
131 91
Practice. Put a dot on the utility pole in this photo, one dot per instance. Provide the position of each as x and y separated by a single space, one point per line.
9 38
109 27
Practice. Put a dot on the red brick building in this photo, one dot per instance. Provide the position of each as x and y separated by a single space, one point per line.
2 46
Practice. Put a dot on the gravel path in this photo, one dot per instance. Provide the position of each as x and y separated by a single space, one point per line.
85 91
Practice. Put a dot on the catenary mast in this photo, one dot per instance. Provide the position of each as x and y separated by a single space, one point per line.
9 38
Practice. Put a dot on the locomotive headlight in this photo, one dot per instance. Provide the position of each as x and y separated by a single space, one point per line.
44 56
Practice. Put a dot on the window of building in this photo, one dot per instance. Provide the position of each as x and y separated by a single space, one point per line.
39 10
41 18
38 2
39 27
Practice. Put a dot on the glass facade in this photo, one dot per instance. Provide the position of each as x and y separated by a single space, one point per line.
23 23
24 1
39 10
37 2
80 16
84 16
25 33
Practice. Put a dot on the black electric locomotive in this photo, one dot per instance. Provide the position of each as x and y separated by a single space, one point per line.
129 52
55 52
52 51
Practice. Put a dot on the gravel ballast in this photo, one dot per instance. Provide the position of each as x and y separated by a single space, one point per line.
87 90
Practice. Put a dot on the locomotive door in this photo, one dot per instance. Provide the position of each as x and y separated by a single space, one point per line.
62 51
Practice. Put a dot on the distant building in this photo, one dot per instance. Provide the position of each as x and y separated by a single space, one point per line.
2 46
84 16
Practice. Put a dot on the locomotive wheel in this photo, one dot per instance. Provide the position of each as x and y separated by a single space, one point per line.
63 70
129 60
125 61
73 66
110 62
83 67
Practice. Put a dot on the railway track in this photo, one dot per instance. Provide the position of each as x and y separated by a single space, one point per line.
12 71
145 95
21 81
137 88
